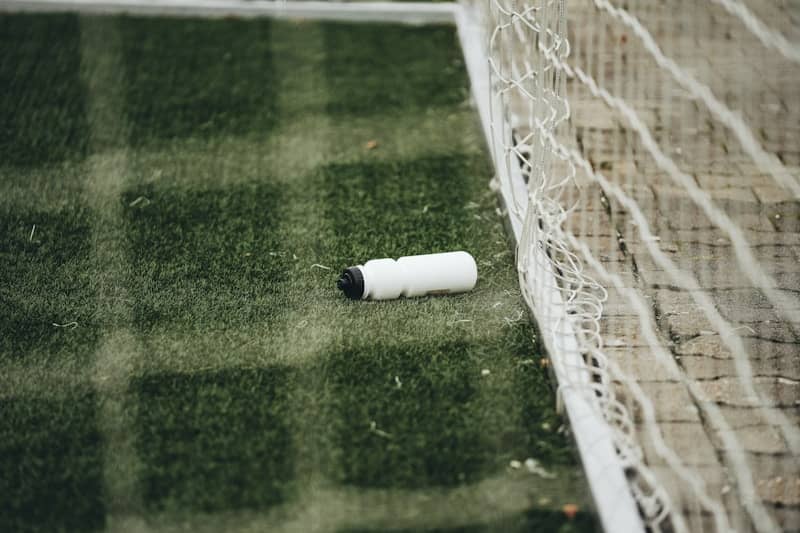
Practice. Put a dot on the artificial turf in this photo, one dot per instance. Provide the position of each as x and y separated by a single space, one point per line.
173 351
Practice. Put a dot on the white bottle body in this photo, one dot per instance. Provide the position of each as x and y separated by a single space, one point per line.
419 275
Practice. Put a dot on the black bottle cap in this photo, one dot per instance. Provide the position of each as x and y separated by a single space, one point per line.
351 283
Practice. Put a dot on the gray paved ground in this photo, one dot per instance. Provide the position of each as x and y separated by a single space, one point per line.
717 49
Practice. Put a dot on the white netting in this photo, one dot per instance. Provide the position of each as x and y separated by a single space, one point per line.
674 149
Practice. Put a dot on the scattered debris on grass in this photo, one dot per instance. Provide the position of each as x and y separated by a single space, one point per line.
425 209
535 468
144 201
570 510
516 465
371 144
544 362
33 230
512 321
398 383
70 325
373 428
302 324
485 372
323 267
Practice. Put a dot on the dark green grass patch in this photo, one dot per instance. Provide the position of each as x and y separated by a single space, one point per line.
383 69
536 429
44 281
197 78
204 257
423 415
416 434
390 209
215 440
47 124
51 458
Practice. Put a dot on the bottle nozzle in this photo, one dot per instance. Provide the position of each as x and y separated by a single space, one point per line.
351 283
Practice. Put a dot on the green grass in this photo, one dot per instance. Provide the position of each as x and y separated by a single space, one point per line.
173 350
49 124
215 440
51 463
178 225
168 103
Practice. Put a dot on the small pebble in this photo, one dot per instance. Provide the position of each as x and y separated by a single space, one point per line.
485 372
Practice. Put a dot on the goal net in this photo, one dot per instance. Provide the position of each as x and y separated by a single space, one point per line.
649 158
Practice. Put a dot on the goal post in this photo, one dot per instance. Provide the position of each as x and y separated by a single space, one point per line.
636 179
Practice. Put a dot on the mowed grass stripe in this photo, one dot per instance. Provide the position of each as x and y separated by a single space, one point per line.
300 59
46 287
206 244
107 174
51 447
251 464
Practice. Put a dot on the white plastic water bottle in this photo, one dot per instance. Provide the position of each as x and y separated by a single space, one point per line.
416 275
